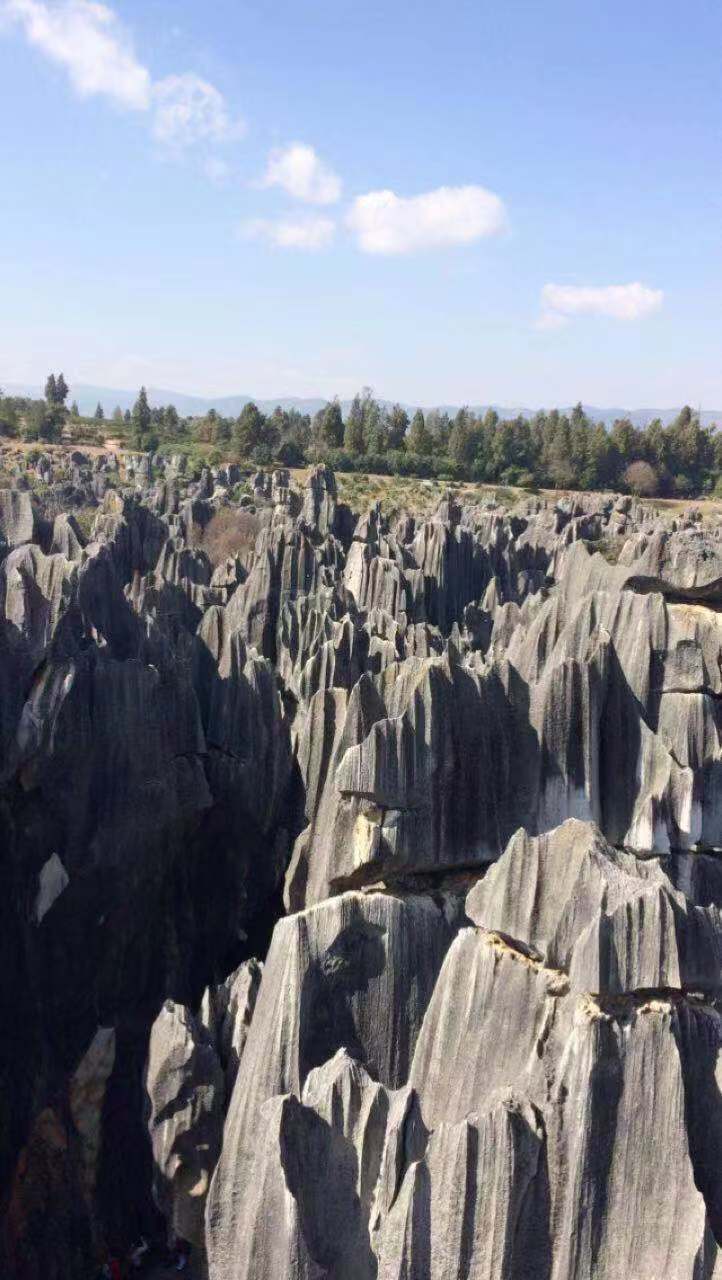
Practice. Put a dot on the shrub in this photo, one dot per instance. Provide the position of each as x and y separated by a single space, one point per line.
504 497
85 517
609 548
290 454
641 479
263 455
229 532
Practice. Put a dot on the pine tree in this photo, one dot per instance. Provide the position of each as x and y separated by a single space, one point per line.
171 422
461 439
331 425
418 440
398 425
374 428
141 419
353 436
51 389
99 412
560 459
248 429
438 429
61 389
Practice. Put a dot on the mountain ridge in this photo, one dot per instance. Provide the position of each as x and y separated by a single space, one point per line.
88 395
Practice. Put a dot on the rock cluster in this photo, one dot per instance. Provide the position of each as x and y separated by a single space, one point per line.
469 768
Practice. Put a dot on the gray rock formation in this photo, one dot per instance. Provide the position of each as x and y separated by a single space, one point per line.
226 1013
476 757
185 1088
354 973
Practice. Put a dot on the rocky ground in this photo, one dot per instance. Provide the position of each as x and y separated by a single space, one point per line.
360 882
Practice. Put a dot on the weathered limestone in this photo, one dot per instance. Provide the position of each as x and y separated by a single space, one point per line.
185 1088
485 763
353 973
613 922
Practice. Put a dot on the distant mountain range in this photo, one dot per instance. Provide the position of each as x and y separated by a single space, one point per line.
89 396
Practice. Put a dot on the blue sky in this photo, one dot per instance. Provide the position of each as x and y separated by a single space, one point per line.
190 197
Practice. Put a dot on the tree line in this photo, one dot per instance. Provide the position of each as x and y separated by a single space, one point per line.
548 449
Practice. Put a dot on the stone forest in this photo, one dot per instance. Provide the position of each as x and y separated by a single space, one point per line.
361 890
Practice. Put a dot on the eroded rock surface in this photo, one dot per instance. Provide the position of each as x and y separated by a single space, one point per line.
361 886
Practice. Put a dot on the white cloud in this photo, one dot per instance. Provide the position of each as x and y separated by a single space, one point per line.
291 233
87 39
188 110
300 172
386 223
562 302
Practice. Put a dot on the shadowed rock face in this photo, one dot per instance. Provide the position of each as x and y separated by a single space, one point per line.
185 1088
479 766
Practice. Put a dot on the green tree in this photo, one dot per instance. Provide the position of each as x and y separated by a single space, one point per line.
656 445
353 437
330 425
578 417
141 420
624 436
248 429
273 429
74 410
51 390
61 389
692 448
46 421
559 458
601 462
99 414
374 428
290 454
222 432
419 440
398 425
503 451
438 426
8 417
298 429
462 439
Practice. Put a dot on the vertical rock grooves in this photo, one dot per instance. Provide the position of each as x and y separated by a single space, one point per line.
356 919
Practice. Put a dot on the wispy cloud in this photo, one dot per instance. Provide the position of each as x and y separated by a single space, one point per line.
386 223
563 302
302 174
89 41
189 110
291 233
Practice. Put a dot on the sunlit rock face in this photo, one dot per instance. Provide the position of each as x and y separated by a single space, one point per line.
361 892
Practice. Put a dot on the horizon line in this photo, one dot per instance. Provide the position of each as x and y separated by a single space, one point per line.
242 395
